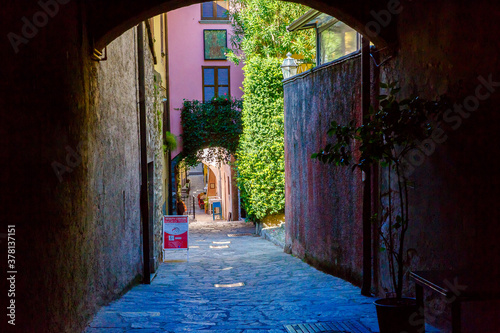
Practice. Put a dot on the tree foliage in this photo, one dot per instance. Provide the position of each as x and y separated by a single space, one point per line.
169 142
259 29
215 125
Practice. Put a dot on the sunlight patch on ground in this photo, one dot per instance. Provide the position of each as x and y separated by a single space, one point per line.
231 285
220 269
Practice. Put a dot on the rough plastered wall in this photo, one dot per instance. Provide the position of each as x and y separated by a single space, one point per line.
79 240
114 172
154 109
446 47
114 162
323 202
61 224
114 149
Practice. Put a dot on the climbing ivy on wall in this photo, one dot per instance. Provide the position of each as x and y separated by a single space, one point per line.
260 157
215 124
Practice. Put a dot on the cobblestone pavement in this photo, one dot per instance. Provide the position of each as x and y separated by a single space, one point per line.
237 284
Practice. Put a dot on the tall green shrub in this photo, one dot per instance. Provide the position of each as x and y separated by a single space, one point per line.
261 41
260 155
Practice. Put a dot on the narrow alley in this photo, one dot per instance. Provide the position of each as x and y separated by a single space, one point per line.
237 282
333 161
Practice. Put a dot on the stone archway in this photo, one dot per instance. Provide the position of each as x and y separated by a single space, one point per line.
45 94
111 18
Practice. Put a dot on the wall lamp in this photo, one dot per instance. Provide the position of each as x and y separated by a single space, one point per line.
289 66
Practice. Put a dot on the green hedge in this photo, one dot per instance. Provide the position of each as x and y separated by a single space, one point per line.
260 155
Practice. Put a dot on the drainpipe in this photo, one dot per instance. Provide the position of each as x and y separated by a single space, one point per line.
144 157
220 188
168 158
318 51
367 190
375 190
167 118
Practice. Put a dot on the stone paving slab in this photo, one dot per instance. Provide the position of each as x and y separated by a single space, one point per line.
276 289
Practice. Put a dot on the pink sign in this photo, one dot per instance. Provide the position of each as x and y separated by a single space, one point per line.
175 232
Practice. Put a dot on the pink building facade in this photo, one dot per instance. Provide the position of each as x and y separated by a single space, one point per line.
197 70
187 63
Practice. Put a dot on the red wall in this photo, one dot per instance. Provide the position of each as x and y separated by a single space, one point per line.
445 47
323 203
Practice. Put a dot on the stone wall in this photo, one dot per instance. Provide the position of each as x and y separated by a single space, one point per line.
113 164
154 109
47 98
77 214
113 146
456 183
323 202
444 48
61 229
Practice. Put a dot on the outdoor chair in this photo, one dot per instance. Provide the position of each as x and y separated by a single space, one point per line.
217 204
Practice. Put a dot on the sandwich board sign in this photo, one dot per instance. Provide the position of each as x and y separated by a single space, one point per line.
175 232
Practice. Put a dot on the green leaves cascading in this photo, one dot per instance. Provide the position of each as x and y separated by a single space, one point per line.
215 124
260 155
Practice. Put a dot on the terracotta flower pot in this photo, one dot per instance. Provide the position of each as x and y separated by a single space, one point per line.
399 315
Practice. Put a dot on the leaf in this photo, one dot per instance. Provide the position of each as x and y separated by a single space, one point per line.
381 97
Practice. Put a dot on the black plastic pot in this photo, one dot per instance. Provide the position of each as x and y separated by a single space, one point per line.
399 315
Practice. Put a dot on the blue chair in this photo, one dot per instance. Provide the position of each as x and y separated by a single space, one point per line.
217 204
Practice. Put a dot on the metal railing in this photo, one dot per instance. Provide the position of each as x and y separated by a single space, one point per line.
190 202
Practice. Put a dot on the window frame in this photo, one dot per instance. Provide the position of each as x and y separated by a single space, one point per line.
216 80
214 12
319 44
205 31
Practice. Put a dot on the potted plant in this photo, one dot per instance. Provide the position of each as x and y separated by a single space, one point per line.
388 135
